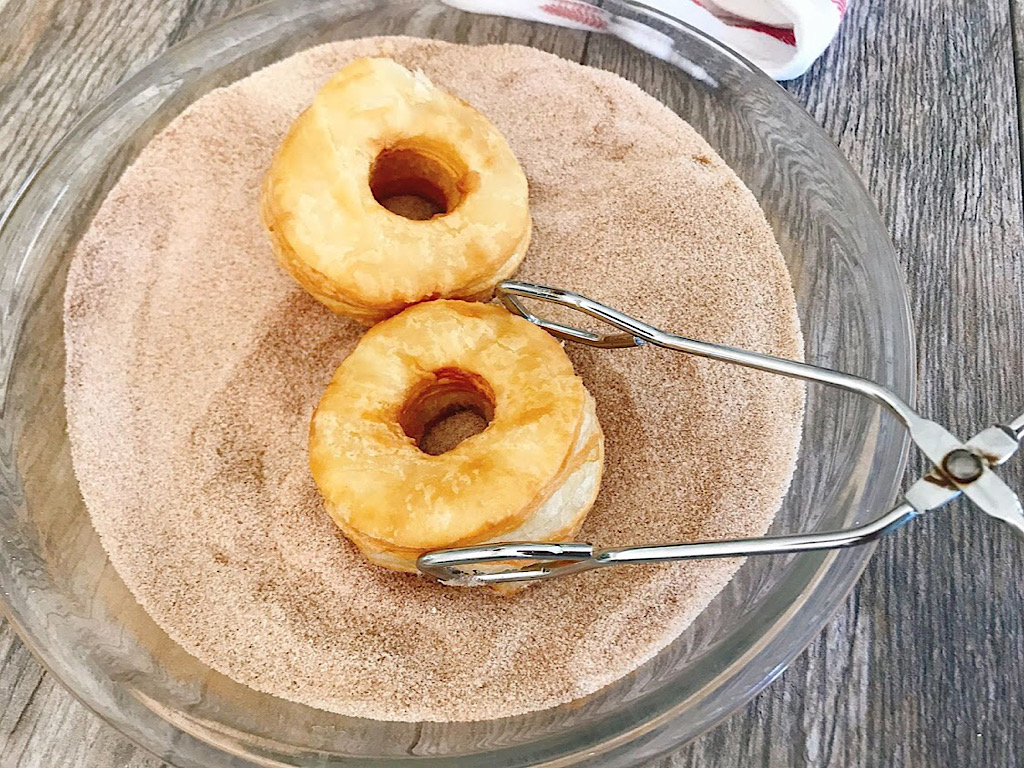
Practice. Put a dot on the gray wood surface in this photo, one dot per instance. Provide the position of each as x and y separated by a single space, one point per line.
924 665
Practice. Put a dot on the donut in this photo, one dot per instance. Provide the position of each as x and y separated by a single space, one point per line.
532 474
387 191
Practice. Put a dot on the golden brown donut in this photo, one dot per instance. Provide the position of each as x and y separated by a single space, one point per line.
387 191
531 474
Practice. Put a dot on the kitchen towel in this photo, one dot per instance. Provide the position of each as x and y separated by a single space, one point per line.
782 37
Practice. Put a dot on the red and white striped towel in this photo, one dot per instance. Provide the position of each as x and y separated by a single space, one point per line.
782 37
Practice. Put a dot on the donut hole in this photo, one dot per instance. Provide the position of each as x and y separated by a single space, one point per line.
451 406
418 181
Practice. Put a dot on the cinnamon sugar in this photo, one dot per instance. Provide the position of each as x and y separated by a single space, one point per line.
194 364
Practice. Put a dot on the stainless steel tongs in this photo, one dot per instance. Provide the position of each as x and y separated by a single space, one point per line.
959 468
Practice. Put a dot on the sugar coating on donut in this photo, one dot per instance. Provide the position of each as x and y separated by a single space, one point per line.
194 364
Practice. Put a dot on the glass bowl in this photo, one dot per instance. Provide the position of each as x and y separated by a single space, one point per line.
72 610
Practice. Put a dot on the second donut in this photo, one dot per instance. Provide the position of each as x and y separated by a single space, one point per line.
531 475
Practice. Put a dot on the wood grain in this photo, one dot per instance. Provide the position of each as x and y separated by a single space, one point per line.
922 667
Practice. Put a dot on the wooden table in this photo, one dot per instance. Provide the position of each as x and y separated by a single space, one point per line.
924 665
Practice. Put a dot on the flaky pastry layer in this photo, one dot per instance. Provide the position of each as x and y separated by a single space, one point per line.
378 129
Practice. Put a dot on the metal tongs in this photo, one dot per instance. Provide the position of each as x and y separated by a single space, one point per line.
959 468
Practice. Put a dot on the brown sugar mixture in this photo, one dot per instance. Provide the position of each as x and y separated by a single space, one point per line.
194 364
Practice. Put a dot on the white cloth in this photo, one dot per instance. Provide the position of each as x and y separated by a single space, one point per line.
782 37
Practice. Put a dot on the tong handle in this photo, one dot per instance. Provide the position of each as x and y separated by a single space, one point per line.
636 333
572 557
